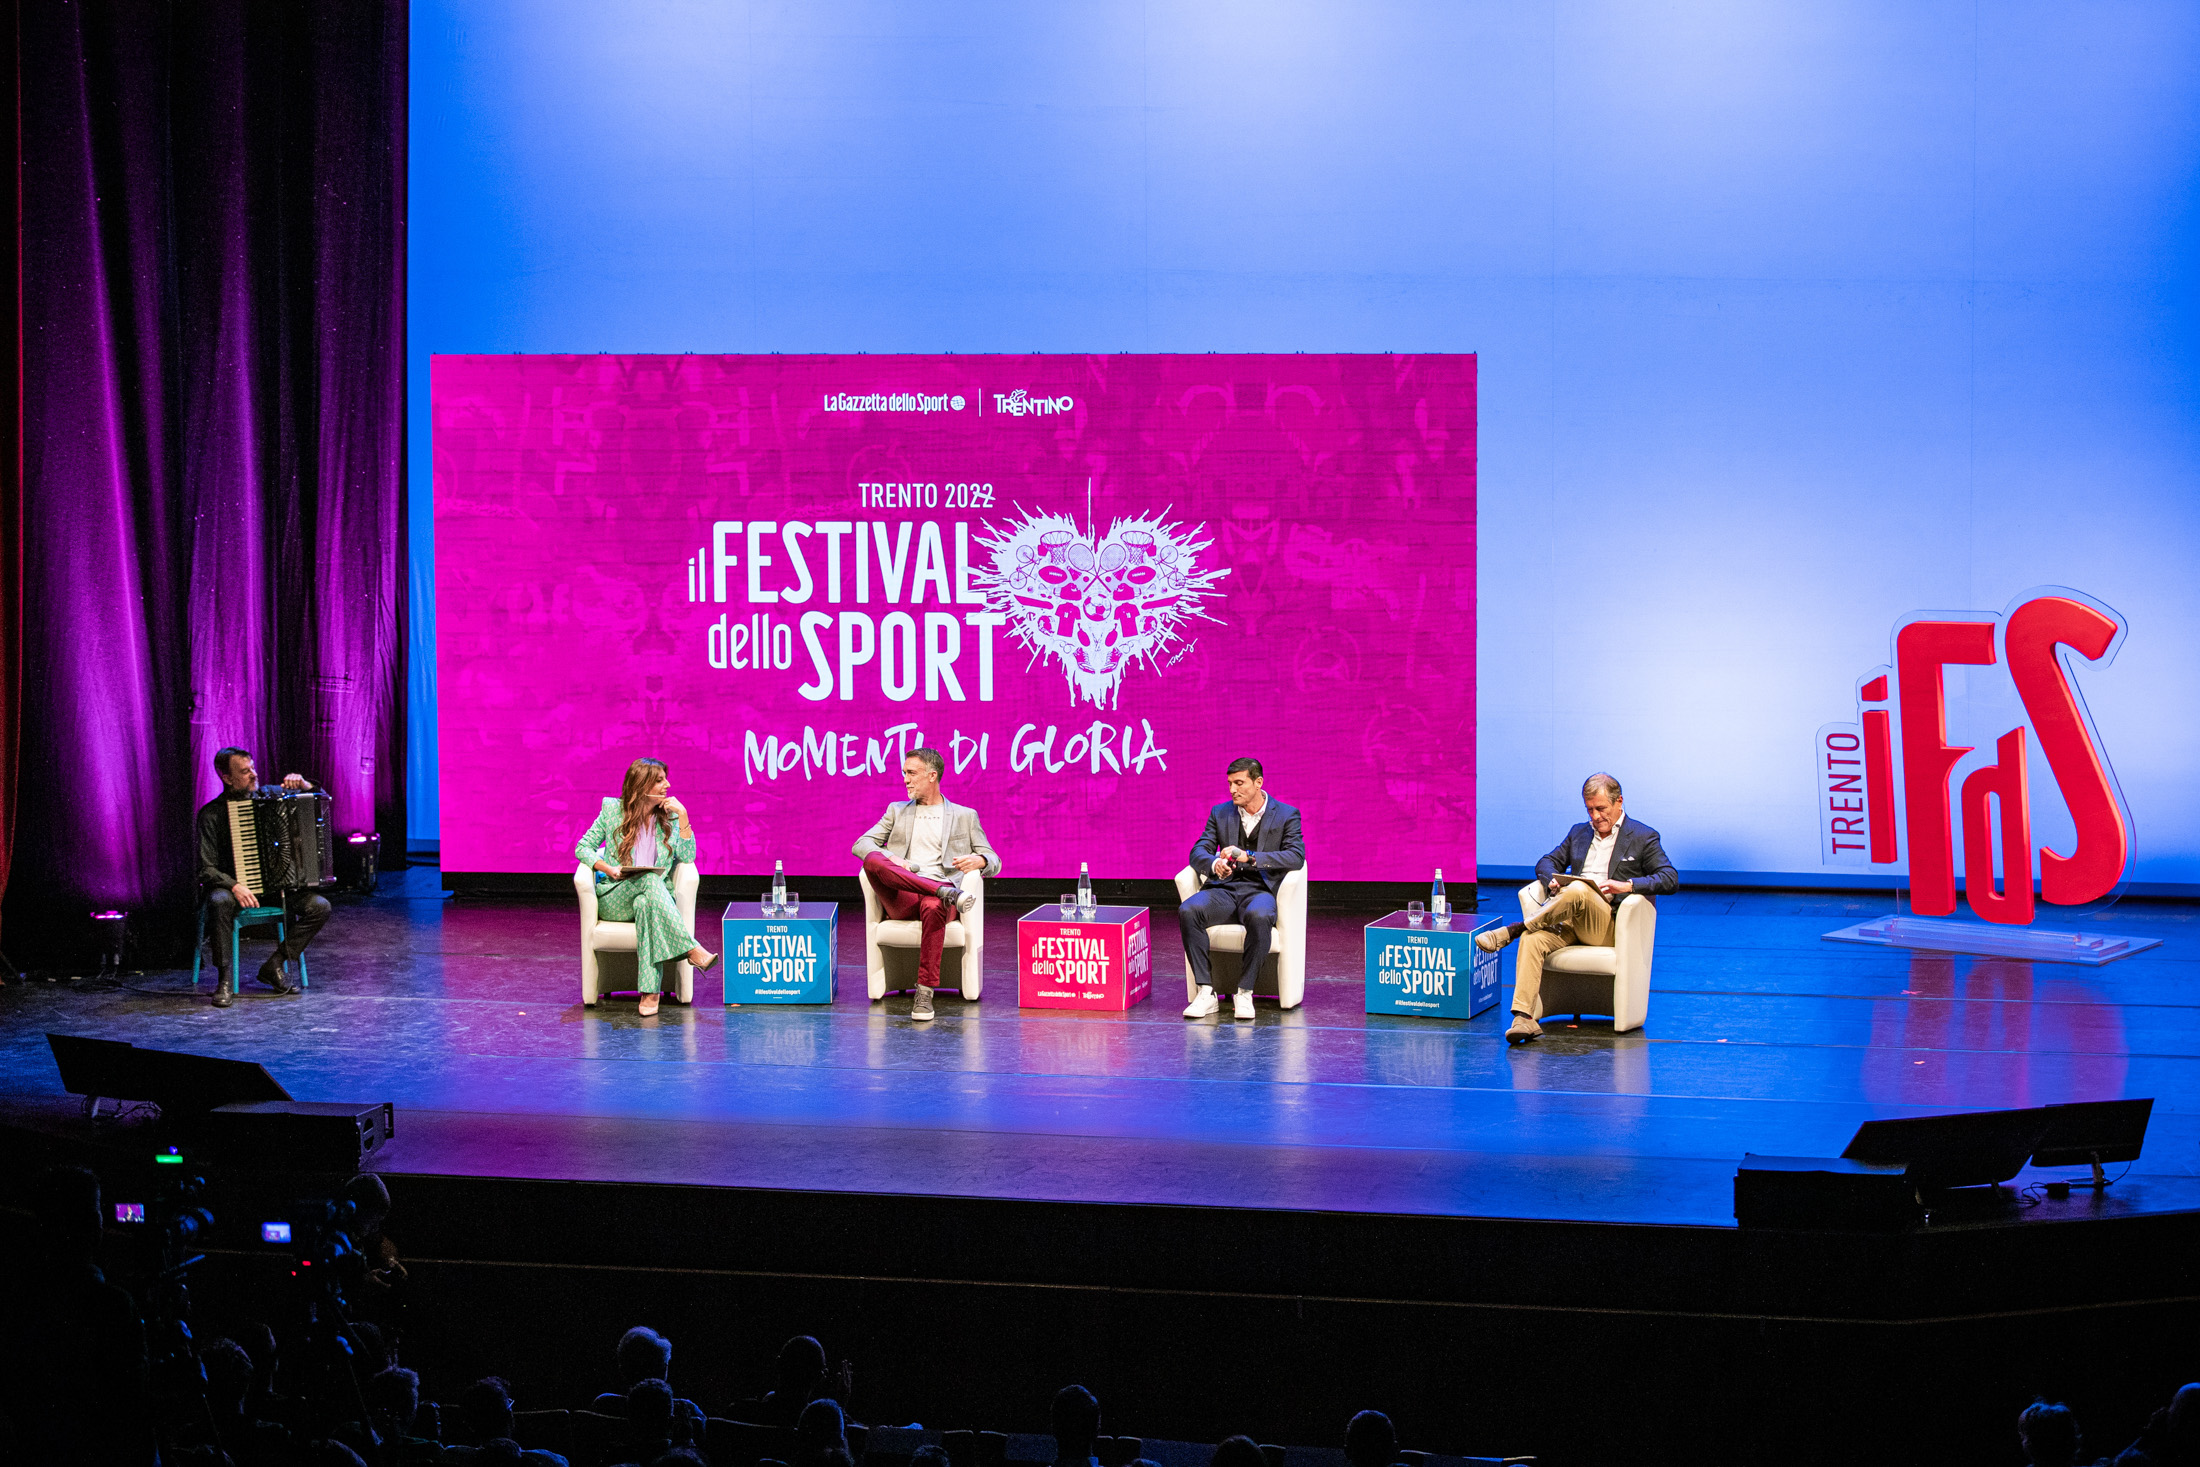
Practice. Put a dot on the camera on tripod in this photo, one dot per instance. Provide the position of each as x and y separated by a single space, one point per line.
325 1258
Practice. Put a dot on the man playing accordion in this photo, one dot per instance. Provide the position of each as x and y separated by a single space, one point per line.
226 894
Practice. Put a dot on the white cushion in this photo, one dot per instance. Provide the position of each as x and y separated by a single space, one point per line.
890 933
614 937
1228 938
1578 959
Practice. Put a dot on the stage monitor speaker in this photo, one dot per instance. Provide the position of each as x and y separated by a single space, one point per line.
180 1084
1824 1193
1971 1149
299 1135
2091 1132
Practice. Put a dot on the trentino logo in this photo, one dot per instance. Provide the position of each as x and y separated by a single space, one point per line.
1021 403
893 402
1865 816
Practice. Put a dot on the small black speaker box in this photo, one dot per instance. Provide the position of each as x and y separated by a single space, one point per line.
299 1135
1823 1193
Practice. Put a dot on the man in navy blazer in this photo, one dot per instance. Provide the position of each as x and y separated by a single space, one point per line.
1616 858
1249 844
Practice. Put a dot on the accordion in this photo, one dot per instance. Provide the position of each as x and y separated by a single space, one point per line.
281 840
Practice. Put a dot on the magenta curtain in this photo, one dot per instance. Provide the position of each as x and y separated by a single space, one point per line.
212 246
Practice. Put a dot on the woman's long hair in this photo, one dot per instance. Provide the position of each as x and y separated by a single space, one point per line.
641 778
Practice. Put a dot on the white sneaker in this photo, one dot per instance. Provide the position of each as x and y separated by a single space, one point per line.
1202 1006
1243 999
922 1008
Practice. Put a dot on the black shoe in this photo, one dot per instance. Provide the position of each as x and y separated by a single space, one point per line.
272 975
225 992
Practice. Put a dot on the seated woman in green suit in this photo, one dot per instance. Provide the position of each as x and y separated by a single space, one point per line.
633 846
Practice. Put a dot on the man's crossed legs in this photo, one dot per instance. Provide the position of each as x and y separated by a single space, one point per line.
1579 916
905 896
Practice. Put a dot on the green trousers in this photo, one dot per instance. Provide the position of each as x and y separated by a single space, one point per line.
659 934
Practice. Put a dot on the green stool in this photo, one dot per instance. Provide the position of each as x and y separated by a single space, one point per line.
236 934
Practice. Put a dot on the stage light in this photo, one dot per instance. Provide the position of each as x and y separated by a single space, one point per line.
359 861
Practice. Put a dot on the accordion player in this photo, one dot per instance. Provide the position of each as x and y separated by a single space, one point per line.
263 848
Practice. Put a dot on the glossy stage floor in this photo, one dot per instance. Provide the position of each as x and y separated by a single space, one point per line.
1761 1037
1353 1209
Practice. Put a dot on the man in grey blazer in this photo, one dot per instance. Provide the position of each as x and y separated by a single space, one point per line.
1602 861
916 856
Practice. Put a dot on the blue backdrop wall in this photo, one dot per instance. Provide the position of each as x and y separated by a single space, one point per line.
1792 319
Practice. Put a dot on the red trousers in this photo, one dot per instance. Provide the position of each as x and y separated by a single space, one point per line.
905 896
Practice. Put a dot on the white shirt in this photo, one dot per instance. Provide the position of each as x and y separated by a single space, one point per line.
1250 819
1597 865
928 839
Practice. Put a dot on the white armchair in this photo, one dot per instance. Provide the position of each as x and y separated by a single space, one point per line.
962 960
615 940
1611 980
1287 946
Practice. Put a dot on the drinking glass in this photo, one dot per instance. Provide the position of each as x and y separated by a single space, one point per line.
1414 912
792 906
1443 918
1069 905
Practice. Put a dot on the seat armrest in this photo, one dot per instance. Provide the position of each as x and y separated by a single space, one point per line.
1187 884
584 887
973 925
1291 900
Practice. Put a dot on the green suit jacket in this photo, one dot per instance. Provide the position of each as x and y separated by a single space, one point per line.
601 842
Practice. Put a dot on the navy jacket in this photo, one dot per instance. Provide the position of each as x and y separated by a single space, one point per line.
1275 845
1637 857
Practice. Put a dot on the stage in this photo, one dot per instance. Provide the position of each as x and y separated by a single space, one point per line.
1761 1038
1583 1182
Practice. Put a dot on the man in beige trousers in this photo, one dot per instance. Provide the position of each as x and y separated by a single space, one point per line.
1601 862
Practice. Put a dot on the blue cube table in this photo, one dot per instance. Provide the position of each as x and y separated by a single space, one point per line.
1430 972
786 959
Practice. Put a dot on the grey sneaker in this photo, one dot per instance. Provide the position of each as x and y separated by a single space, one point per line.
1523 1029
922 1008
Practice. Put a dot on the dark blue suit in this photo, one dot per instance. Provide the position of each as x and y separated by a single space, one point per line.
1247 896
1638 858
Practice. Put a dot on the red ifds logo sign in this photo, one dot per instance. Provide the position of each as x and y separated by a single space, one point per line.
1868 816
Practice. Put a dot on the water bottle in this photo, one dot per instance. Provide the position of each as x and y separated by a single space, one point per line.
1084 885
779 884
1436 908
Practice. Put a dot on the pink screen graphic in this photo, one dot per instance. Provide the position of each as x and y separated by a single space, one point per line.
1089 582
